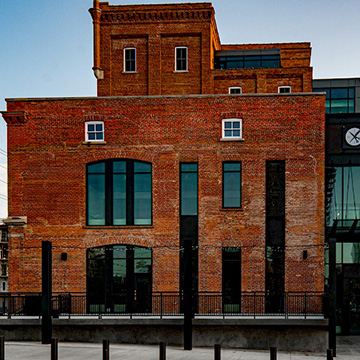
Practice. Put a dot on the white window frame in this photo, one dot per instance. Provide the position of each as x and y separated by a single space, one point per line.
235 88
181 47
125 50
87 132
284 87
232 129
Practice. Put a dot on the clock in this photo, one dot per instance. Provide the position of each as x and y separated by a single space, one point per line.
352 136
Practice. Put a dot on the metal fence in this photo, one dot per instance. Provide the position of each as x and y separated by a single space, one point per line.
162 304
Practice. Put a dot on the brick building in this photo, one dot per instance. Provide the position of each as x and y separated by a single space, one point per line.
188 140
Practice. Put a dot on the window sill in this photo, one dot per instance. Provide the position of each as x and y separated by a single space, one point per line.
232 209
129 72
117 227
180 71
232 139
94 143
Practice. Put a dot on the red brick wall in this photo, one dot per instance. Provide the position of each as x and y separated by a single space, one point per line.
155 31
47 174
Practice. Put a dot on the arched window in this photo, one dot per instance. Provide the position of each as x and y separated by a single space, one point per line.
119 279
119 193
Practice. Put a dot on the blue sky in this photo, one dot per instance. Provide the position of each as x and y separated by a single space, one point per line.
46 45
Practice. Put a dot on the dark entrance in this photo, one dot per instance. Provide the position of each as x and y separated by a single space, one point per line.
119 279
350 309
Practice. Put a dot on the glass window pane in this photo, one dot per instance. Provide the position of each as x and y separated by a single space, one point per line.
119 199
142 167
236 133
142 199
188 167
232 189
189 193
351 93
142 266
119 167
96 253
141 252
227 124
338 253
339 106
96 199
339 93
236 124
91 127
228 133
99 136
92 136
98 127
119 251
351 106
235 166
351 253
96 168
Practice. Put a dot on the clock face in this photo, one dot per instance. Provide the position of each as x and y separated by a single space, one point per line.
352 136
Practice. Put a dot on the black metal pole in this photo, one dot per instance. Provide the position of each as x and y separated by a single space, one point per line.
2 348
188 295
329 354
273 353
162 354
46 325
54 349
106 350
217 352
332 295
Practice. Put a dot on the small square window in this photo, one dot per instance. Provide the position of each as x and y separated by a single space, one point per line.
94 131
235 90
231 129
181 58
284 89
129 60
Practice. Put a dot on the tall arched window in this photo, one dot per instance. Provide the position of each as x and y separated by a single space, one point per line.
119 279
119 193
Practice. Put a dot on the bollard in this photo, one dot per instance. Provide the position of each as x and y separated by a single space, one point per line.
329 354
2 348
106 350
54 349
273 353
217 352
162 354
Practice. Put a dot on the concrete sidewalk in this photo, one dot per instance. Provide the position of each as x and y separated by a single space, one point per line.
348 349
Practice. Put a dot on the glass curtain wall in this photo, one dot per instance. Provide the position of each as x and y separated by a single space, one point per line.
342 193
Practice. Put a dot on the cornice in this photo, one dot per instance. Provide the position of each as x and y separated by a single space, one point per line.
15 117
168 15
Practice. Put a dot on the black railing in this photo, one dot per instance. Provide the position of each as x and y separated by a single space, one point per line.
249 304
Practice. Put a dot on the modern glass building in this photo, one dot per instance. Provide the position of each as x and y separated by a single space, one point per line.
342 205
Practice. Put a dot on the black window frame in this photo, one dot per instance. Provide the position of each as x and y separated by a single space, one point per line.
223 183
130 193
330 97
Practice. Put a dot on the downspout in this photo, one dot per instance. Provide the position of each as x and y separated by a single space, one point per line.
95 12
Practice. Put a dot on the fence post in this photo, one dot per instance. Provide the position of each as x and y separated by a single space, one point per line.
273 353
162 353
161 305
70 305
329 354
106 350
2 348
305 304
54 349
217 352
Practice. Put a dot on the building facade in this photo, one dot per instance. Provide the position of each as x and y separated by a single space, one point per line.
188 141
342 192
